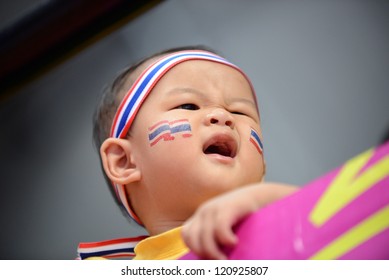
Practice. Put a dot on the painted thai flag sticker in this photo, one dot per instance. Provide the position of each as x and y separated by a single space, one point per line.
164 130
181 127
254 138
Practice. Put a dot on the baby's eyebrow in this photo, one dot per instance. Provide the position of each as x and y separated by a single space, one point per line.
180 90
242 100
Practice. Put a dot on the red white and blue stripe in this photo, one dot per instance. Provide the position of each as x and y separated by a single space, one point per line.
254 138
142 87
160 131
121 248
165 130
181 127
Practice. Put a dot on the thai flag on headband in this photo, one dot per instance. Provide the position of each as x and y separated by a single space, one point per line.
164 130
254 138
142 87
111 249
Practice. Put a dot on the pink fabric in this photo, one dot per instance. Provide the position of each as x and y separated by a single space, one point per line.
283 230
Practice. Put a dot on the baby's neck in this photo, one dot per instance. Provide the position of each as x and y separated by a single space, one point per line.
159 227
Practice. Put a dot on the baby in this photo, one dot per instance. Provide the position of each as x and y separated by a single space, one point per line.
180 142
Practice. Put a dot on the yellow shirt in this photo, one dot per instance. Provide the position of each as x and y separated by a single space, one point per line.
165 246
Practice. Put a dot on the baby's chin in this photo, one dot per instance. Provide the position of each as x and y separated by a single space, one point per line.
224 185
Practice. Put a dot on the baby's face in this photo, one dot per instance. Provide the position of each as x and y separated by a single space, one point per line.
192 136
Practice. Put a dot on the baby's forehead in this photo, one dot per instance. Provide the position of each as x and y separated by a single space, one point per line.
202 78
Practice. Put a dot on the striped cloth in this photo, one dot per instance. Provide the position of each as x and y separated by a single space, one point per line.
121 248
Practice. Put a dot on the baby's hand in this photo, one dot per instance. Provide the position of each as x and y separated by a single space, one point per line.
211 227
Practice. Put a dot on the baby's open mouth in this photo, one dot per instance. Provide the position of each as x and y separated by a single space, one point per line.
222 145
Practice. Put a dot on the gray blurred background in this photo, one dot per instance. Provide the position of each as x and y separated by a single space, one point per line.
320 69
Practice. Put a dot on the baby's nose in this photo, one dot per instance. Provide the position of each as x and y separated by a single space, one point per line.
221 117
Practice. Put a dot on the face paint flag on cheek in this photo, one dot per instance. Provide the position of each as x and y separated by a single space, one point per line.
164 130
254 138
138 93
181 127
160 131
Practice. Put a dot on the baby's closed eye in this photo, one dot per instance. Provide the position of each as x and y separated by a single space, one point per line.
188 106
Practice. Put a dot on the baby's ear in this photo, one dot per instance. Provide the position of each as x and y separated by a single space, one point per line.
118 163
